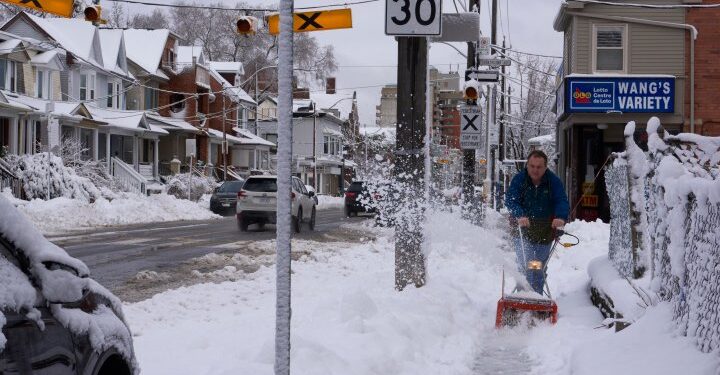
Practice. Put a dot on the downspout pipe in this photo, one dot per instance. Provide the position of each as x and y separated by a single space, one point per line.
693 36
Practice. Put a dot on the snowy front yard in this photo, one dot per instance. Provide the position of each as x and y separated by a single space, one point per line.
348 319
59 215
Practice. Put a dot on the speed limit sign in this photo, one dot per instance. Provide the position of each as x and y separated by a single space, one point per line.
413 17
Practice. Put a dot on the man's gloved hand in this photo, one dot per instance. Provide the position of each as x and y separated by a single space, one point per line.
523 222
557 223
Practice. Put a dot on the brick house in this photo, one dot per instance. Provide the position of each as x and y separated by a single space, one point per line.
707 70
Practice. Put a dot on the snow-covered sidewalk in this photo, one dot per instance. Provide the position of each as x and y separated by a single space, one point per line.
59 215
348 319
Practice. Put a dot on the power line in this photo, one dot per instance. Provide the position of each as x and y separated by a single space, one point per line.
650 6
496 47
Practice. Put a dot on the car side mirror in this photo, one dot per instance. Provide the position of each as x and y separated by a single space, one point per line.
311 193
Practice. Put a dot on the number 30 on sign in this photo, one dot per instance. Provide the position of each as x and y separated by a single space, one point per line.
413 17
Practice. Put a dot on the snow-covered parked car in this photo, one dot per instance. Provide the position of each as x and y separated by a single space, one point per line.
55 319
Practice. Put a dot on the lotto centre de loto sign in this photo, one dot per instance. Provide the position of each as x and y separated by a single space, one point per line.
619 94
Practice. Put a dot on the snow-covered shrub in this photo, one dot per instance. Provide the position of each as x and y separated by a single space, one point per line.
190 186
74 155
44 176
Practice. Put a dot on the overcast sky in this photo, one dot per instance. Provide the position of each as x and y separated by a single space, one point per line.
367 57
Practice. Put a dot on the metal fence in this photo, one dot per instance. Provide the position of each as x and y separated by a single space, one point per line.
622 251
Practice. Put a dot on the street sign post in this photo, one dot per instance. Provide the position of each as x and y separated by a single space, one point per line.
489 76
314 21
493 63
483 47
413 17
62 8
471 132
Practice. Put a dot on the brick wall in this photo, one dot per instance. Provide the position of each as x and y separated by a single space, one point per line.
707 69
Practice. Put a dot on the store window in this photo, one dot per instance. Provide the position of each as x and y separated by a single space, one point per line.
610 48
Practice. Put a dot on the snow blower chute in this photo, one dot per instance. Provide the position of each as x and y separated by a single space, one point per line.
512 307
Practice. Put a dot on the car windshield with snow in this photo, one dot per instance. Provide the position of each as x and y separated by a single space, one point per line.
55 319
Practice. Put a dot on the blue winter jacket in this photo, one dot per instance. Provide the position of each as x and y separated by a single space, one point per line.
538 203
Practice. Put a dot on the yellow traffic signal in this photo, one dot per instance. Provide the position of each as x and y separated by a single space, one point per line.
470 92
247 25
93 13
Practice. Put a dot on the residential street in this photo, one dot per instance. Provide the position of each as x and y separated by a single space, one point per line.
117 254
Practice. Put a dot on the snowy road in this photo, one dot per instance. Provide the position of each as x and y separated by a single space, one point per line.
117 254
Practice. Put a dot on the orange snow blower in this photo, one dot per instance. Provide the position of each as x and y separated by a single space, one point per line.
512 307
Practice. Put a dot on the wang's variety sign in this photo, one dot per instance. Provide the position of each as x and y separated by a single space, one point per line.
620 94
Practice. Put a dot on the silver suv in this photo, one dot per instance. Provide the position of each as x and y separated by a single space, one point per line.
257 203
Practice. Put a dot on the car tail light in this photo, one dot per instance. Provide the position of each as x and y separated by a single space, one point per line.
88 303
292 195
350 194
241 194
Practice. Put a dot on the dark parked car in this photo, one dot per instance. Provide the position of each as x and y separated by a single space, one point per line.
224 198
54 318
357 199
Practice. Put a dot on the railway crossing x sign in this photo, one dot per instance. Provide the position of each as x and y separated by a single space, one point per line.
314 21
471 132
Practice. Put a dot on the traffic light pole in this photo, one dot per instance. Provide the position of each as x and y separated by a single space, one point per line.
468 175
409 160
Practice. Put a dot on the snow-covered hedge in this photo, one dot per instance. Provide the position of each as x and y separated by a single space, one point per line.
680 220
43 174
190 186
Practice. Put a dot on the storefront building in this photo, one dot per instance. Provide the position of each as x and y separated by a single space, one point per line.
620 64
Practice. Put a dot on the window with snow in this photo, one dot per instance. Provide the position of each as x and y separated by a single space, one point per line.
177 102
87 86
610 43
114 95
8 75
43 84
151 98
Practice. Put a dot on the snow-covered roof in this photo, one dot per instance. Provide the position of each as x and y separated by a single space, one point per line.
75 35
111 41
9 46
48 59
217 134
130 120
170 123
227 66
185 54
252 138
342 102
145 47
334 132
236 93
543 139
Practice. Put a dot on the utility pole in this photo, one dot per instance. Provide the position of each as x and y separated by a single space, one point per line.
493 152
501 145
468 174
409 160
224 143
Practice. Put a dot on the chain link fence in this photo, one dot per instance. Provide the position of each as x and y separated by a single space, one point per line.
680 217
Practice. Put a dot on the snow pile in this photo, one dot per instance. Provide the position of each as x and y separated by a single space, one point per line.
61 279
326 201
682 214
348 319
190 186
41 175
62 214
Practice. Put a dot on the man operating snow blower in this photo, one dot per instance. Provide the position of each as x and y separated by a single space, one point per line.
538 206
538 209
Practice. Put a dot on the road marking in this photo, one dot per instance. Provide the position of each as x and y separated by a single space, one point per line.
100 234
